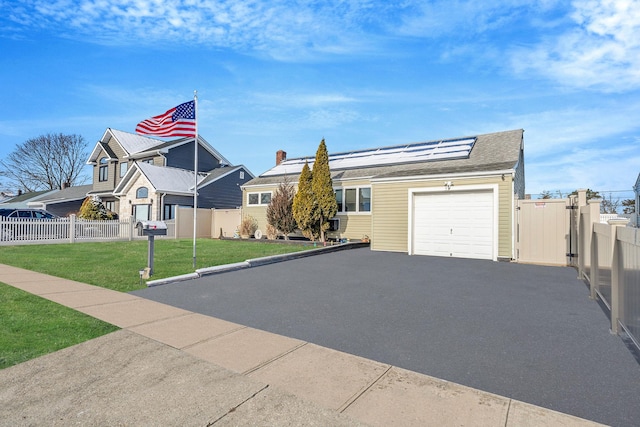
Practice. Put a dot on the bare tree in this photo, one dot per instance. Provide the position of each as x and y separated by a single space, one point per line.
609 205
546 194
46 162
280 209
628 206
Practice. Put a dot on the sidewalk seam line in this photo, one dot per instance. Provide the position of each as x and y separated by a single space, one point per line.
238 405
101 304
357 396
268 362
506 421
213 338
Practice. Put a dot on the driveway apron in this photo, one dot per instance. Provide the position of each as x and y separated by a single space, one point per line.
527 332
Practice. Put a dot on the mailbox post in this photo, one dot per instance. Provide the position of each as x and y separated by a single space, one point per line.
151 229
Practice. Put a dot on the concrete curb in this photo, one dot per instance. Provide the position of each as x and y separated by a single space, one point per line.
222 268
166 280
255 262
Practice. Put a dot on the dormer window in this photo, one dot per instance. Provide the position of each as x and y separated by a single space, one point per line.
103 171
142 193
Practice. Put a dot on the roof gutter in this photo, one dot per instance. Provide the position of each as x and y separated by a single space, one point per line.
442 176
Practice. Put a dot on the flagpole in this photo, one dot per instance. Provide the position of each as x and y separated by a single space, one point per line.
195 185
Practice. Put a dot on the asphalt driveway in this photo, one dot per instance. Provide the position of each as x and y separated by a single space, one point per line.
526 332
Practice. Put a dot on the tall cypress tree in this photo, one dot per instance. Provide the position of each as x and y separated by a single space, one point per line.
322 187
304 205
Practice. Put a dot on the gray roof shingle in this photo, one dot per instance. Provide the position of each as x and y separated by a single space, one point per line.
491 152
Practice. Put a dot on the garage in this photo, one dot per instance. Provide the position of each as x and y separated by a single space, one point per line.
457 224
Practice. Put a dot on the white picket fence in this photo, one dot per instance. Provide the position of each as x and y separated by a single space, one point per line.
68 230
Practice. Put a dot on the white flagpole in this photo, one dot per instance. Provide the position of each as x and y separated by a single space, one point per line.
195 185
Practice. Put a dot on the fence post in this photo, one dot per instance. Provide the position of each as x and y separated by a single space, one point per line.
72 228
594 271
617 282
131 226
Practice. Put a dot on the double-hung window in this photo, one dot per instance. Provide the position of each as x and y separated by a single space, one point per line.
103 171
259 199
353 200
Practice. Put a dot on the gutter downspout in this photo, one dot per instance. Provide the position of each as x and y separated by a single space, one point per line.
161 207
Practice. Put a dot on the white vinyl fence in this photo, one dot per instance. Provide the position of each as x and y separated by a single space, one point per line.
611 265
68 230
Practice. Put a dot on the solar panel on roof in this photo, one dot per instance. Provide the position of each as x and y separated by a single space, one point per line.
420 152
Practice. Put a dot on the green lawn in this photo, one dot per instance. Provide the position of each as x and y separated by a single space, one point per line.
31 326
116 265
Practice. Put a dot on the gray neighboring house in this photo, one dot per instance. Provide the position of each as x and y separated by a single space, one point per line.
20 201
62 202
154 192
147 179
451 197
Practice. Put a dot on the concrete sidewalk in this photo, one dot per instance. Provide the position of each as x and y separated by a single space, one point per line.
173 367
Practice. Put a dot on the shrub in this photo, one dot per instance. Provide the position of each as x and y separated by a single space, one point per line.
248 226
272 232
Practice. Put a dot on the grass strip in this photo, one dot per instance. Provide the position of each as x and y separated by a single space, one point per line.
116 265
31 326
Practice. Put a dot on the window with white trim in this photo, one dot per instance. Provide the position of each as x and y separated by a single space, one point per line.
141 212
103 170
123 168
142 193
353 200
259 199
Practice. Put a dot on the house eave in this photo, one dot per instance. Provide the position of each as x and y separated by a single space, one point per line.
458 175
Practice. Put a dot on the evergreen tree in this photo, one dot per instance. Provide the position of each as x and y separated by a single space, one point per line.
93 208
322 187
280 209
305 210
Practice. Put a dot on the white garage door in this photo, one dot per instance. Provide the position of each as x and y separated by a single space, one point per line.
454 224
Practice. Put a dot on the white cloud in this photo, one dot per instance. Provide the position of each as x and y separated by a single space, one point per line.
553 130
282 29
601 50
600 169
301 100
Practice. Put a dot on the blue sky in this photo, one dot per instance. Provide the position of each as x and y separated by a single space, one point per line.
283 74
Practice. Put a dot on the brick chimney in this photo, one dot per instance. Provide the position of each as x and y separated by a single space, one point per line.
281 156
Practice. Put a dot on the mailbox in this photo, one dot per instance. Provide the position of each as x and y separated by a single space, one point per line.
151 228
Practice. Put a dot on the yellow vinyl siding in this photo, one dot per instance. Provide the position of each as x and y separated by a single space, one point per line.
353 227
390 205
388 223
259 213
505 218
390 217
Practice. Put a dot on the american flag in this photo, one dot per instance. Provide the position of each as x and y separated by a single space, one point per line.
178 121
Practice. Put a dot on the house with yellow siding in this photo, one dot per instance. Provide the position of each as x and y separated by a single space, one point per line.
450 197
